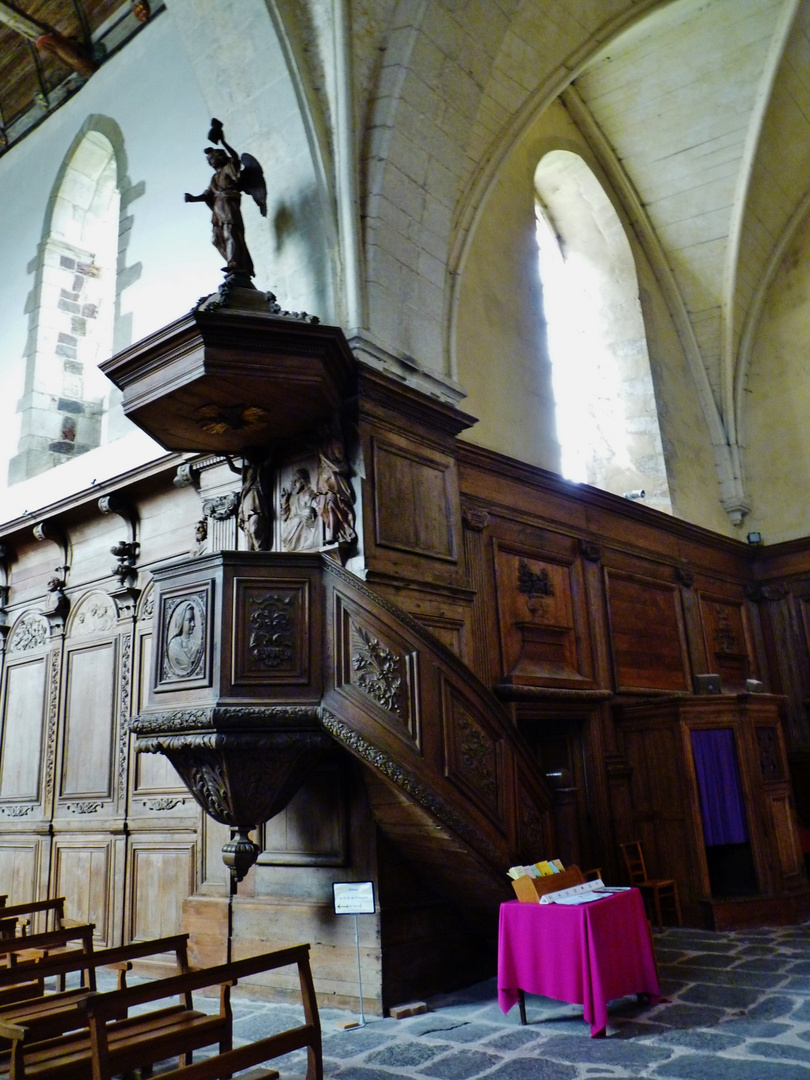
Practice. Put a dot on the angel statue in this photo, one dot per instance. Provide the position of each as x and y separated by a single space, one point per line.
223 196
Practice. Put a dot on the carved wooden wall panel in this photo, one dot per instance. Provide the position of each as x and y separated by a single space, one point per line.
646 633
545 638
153 775
23 713
415 502
272 632
90 732
727 637
473 753
161 874
184 637
373 665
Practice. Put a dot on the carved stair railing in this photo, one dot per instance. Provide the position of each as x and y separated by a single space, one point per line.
261 657
451 782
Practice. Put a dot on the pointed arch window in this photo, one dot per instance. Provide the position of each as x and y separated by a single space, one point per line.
65 398
607 420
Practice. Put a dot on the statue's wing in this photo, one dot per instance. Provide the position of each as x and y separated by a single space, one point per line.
251 180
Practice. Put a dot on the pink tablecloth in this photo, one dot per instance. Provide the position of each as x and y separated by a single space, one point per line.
587 955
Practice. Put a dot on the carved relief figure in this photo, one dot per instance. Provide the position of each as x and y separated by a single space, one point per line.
335 491
223 196
253 518
299 514
184 647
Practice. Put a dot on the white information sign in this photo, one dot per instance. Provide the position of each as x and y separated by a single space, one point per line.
353 897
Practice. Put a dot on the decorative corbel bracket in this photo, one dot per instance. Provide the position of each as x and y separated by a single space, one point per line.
5 557
126 552
58 605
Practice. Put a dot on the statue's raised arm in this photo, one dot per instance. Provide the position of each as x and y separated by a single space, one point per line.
223 196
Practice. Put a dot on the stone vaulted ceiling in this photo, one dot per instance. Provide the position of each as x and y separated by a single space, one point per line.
701 111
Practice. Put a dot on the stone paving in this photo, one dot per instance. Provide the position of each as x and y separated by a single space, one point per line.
736 1007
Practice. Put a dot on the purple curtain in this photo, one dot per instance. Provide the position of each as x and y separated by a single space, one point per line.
719 786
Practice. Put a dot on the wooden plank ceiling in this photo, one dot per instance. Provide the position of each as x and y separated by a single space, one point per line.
28 75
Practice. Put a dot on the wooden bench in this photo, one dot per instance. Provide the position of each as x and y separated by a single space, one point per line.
51 912
26 960
110 1045
47 1015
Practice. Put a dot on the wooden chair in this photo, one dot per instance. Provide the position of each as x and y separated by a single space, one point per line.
652 889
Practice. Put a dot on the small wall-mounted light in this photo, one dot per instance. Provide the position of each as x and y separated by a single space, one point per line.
754 538
638 493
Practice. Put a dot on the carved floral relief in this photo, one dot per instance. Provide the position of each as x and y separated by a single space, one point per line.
29 632
376 670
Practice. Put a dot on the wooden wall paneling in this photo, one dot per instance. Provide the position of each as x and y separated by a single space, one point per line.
543 623
415 502
26 718
771 791
24 698
87 770
647 633
312 830
662 795
88 870
479 651
784 612
161 874
155 783
21 866
565 735
728 639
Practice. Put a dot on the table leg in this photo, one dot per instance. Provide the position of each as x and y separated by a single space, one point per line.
522 1006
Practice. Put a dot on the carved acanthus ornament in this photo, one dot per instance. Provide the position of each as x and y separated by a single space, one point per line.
378 670
16 811
475 520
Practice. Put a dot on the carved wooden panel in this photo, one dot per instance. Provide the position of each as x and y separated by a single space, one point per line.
83 874
23 720
272 621
542 639
88 756
93 616
161 874
19 868
414 499
727 640
647 634
153 774
377 669
312 829
473 752
184 638
783 826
